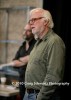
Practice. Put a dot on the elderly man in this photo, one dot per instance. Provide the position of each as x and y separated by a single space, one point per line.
46 63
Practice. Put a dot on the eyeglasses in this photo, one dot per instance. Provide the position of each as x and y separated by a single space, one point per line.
34 19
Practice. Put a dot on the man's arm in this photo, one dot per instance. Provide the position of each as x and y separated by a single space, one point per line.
21 61
17 63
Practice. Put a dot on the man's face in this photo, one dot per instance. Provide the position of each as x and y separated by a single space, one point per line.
37 23
27 34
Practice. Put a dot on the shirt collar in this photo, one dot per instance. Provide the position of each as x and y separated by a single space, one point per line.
47 35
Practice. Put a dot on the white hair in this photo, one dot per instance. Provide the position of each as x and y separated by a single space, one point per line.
48 17
46 14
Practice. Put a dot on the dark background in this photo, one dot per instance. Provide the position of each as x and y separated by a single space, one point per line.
60 11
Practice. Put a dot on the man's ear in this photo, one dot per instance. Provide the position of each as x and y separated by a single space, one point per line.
46 22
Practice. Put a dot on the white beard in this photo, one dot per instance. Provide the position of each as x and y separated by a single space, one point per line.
35 36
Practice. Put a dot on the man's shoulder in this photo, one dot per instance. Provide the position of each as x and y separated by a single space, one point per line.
23 43
55 38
